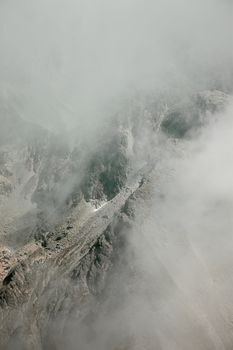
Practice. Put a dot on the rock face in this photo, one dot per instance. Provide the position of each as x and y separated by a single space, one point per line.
186 117
69 234
42 178
7 263
77 270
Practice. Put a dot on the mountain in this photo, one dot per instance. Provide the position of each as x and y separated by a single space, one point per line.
68 211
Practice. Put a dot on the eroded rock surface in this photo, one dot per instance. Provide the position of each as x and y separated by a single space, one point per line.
68 231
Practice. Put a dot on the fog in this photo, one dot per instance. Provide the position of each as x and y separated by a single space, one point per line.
172 287
62 62
184 247
69 66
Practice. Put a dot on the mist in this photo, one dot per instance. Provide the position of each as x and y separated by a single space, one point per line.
64 62
86 88
184 247
172 287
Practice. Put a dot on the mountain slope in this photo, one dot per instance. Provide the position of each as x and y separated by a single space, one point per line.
67 266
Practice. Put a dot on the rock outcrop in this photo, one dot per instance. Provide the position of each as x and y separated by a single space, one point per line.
70 239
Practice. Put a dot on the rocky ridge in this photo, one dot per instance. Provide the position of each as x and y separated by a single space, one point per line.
62 269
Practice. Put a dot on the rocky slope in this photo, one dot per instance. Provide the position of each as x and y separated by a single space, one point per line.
66 215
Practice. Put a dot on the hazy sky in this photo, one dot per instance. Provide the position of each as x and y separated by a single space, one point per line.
63 59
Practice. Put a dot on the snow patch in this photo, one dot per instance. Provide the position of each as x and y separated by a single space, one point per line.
100 207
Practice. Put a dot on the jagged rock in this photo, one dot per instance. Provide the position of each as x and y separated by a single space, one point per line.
5 186
186 117
7 263
66 275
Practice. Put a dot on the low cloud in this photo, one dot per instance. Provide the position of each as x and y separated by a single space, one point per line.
62 61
